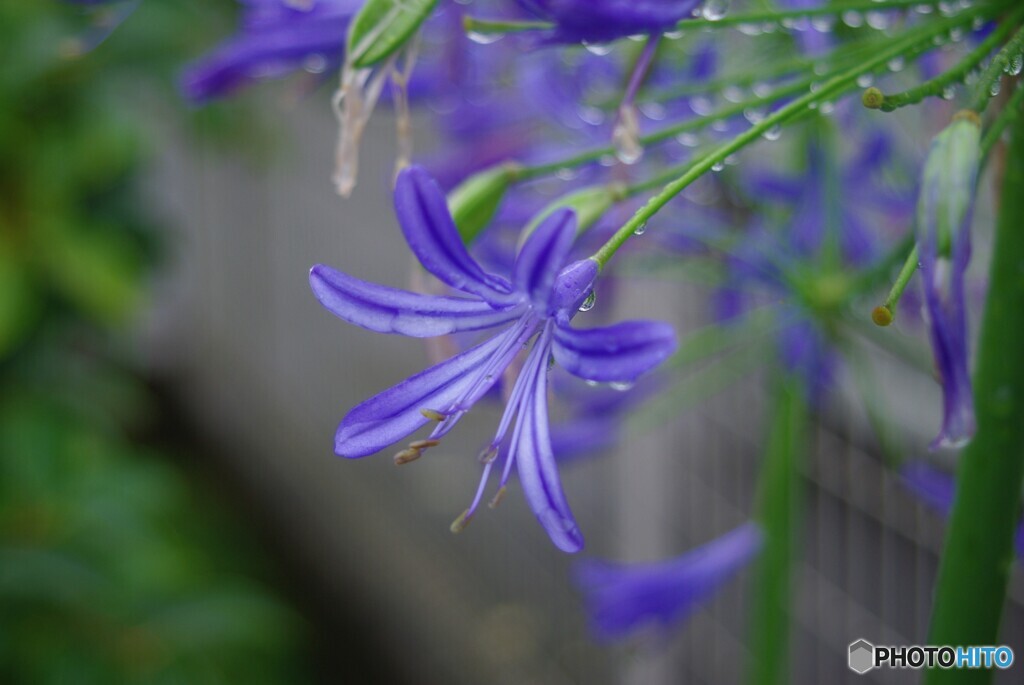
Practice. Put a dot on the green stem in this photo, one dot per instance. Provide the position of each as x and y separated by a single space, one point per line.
835 86
778 510
1009 114
497 26
884 314
978 554
936 87
990 77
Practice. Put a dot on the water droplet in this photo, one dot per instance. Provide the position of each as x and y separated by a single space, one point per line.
1015 65
590 115
653 110
589 303
773 133
720 125
701 106
947 93
566 174
599 49
621 386
994 89
896 64
754 115
762 90
687 139
315 64
484 38
733 93
718 166
823 24
673 35
877 20
865 80
749 29
924 9
641 229
714 10
592 384
853 19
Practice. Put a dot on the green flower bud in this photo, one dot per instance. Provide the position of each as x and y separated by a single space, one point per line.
590 204
475 200
948 181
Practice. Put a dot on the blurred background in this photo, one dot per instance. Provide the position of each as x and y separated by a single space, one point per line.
171 510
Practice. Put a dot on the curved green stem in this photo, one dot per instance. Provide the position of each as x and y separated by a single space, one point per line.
837 85
990 77
974 572
936 87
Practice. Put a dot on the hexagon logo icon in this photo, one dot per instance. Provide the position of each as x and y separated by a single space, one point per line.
862 656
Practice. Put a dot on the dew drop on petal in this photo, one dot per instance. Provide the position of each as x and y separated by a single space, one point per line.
589 303
621 386
483 38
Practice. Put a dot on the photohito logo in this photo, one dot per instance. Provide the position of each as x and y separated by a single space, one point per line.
864 656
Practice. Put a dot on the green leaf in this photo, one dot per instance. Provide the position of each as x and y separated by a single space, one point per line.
382 27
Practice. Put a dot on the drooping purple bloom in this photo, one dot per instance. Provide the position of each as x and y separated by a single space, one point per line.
539 300
597 21
622 598
937 489
275 38
944 241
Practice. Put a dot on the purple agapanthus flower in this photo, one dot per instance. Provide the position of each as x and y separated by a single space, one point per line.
937 489
540 299
275 38
944 240
622 598
597 21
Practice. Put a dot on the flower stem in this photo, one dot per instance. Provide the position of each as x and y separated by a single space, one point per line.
778 511
886 312
990 77
1010 112
837 85
974 571
936 87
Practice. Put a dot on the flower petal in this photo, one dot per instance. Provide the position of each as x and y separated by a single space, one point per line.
395 413
538 472
389 310
543 255
615 353
431 233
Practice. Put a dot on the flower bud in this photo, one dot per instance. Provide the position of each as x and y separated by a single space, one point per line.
948 182
589 203
475 200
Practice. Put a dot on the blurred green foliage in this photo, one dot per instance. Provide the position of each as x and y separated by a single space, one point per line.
111 568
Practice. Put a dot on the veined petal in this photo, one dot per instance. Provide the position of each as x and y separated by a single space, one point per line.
543 255
389 310
395 413
431 233
615 353
538 472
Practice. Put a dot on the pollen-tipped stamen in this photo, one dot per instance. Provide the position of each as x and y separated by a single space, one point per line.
433 414
498 496
459 524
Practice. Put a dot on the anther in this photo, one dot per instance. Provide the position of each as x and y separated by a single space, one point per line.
488 454
433 414
423 444
459 524
882 315
498 497
407 455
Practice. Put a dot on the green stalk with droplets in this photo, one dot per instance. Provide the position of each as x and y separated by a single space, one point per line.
978 553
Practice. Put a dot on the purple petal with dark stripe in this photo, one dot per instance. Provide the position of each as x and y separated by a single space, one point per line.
543 255
389 310
622 352
395 413
538 472
431 233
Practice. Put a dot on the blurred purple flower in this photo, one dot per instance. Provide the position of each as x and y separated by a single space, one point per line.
937 489
275 37
622 598
597 21
541 298
944 240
